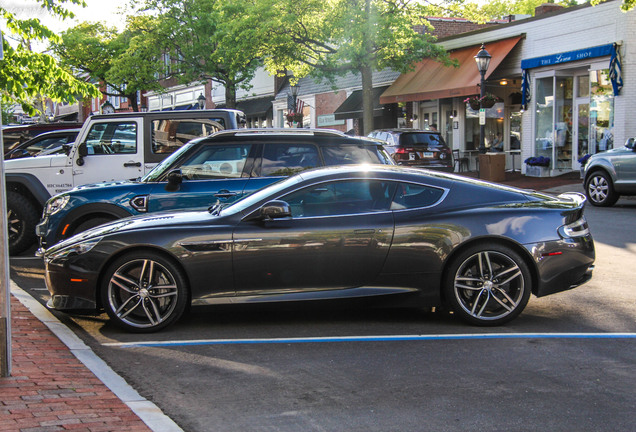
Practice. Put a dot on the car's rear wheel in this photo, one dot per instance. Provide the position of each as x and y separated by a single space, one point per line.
600 190
144 292
488 285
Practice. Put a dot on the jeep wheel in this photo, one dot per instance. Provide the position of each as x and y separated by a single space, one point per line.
22 217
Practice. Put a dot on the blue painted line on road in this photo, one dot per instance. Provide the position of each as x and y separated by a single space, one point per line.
396 338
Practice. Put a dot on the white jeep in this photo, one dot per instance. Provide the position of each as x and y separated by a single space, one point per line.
109 147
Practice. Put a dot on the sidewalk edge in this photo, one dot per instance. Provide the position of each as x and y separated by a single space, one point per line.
147 411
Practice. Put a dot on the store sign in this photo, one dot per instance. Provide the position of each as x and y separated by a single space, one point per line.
570 56
329 120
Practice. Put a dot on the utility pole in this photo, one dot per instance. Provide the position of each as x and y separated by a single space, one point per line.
5 296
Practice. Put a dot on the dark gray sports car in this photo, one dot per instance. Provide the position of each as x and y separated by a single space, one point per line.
421 237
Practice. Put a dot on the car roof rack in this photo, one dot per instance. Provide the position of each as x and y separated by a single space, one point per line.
280 131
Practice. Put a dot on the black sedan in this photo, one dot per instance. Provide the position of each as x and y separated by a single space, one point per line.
421 238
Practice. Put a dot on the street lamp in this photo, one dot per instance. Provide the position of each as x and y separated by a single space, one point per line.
483 61
201 101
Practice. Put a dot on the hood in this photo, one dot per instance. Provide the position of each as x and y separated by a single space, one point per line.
105 184
154 220
34 163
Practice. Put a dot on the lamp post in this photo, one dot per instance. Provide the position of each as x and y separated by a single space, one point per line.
201 101
483 61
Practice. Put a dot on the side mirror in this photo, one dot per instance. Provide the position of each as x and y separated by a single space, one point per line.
175 178
272 210
82 152
630 143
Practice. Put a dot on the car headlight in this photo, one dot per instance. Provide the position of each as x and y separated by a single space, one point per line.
56 204
72 250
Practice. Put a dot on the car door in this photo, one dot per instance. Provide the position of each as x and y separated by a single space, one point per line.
214 173
338 237
113 152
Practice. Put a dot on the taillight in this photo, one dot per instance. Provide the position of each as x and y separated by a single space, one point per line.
577 228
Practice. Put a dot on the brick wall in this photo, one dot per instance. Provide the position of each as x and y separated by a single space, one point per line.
326 103
444 27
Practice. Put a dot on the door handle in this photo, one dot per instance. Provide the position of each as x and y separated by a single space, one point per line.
132 164
225 194
364 231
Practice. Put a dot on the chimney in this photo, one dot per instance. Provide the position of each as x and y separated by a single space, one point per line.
546 8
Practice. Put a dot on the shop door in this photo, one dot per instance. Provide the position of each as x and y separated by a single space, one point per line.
581 132
429 118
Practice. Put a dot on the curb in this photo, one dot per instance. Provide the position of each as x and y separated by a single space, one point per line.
147 411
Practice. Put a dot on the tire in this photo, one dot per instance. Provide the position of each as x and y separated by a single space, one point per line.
144 292
600 190
22 217
488 285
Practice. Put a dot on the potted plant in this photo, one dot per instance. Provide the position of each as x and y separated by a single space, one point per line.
294 117
475 102
537 166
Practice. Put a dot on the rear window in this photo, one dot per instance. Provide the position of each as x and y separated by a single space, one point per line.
429 139
170 134
347 154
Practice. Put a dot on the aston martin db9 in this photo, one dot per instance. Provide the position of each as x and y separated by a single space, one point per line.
422 238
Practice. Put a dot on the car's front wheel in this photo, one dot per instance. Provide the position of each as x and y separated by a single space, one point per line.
488 285
600 190
144 292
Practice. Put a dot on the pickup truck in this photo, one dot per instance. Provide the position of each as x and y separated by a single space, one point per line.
109 147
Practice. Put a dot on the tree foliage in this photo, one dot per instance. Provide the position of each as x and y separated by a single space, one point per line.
211 39
26 75
124 63
330 38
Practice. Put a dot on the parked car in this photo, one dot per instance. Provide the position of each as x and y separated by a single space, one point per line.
610 174
416 148
393 234
14 135
222 167
109 147
45 143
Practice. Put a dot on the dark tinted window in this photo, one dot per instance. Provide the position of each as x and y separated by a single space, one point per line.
341 197
410 195
347 154
288 159
429 139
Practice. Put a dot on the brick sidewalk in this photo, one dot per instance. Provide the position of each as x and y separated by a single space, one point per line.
51 390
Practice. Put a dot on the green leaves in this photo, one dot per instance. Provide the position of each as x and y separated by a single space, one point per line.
26 75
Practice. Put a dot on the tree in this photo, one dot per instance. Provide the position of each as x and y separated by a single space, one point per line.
25 74
124 63
217 40
332 38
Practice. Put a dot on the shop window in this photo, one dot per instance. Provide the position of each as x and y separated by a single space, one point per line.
601 111
544 130
493 131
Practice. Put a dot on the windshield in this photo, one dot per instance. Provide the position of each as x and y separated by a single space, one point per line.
158 171
255 197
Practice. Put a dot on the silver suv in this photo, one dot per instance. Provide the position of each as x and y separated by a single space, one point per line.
610 174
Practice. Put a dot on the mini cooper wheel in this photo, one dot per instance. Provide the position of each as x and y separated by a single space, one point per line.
144 292
488 285
600 190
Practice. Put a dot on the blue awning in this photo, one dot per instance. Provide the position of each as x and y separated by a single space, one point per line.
571 56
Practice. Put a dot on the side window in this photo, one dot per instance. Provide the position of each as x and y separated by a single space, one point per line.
341 198
112 138
288 159
347 154
169 135
410 196
216 162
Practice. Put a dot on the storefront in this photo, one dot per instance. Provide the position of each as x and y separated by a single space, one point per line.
572 98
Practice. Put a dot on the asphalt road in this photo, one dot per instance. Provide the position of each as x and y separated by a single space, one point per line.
565 364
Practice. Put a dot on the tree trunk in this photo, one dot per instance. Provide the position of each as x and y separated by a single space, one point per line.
230 95
132 99
367 99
